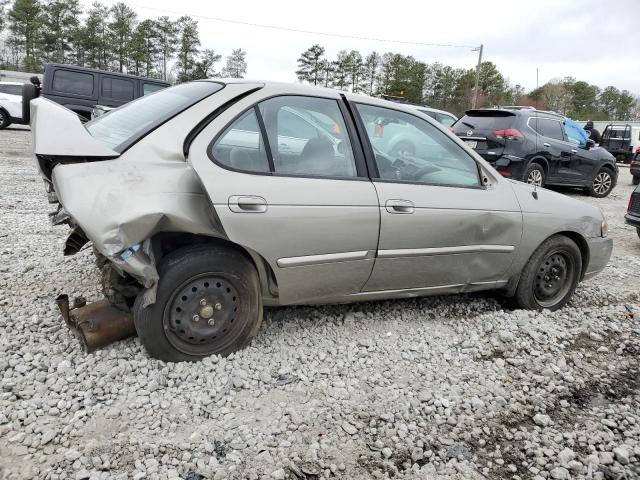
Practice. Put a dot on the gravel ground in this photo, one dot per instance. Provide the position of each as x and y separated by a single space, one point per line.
446 387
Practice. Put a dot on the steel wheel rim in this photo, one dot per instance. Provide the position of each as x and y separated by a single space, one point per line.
535 178
217 324
602 183
554 278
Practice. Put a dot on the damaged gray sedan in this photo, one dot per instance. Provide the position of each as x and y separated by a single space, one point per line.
210 199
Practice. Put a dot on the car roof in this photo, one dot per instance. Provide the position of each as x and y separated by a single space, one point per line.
302 89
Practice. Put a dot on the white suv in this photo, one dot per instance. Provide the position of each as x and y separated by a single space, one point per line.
10 103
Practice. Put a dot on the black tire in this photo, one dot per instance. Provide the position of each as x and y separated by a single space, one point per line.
228 284
638 231
635 180
551 275
29 92
5 120
534 175
602 183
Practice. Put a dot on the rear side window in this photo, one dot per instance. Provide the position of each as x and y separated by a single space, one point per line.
117 88
125 125
241 146
547 127
75 83
484 123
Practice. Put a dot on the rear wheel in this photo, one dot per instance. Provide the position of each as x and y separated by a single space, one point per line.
534 175
602 183
5 121
208 303
635 180
550 276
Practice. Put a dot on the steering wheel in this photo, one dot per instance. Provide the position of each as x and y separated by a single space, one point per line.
421 172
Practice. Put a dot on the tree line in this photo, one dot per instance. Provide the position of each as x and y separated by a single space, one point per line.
441 86
35 32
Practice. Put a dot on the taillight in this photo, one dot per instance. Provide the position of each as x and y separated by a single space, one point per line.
509 134
505 173
637 149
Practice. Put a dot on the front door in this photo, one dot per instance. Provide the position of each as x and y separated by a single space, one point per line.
441 227
295 193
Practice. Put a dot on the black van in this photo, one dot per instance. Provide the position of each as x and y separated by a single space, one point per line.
80 89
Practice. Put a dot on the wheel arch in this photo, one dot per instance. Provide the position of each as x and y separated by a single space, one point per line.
166 242
510 289
543 162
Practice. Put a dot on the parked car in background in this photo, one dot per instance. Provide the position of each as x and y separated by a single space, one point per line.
10 104
208 217
81 89
633 210
535 147
634 167
445 118
622 140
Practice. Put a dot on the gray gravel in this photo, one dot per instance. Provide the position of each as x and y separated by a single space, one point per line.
445 387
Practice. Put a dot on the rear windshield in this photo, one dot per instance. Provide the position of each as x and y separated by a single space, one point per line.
123 126
484 123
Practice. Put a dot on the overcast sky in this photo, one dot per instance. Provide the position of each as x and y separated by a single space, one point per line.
591 40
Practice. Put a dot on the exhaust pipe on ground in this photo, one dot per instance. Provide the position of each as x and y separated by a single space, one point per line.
96 324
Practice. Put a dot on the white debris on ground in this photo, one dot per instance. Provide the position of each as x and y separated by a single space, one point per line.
449 387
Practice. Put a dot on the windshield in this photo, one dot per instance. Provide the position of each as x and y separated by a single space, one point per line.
126 124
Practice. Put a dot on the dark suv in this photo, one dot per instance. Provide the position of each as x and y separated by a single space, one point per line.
80 89
539 148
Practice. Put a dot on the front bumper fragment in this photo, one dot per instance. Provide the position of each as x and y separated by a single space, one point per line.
599 255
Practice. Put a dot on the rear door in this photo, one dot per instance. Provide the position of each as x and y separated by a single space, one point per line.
554 145
11 99
313 215
483 129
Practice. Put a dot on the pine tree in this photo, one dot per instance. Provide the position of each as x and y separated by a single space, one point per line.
354 69
121 28
204 67
144 48
188 43
341 70
326 72
95 38
167 38
25 22
61 24
371 72
236 64
309 65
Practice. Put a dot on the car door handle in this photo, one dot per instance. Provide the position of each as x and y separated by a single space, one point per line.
247 204
399 206
546 145
574 150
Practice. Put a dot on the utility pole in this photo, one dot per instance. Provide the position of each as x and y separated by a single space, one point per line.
475 93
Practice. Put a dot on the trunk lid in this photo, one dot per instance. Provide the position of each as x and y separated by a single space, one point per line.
478 128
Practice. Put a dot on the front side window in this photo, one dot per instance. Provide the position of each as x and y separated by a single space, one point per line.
308 137
241 145
134 119
409 149
446 120
76 83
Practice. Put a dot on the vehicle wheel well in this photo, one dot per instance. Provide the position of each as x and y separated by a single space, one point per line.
543 163
510 289
582 245
166 242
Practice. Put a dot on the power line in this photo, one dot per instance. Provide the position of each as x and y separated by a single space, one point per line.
298 30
